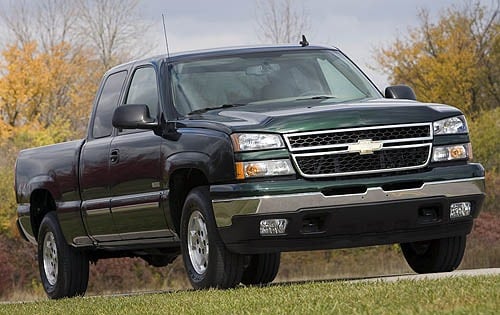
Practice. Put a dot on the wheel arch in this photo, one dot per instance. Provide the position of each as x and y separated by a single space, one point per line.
181 182
41 203
189 169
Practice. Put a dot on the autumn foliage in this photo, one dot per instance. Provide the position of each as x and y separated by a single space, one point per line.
456 61
49 74
45 97
45 90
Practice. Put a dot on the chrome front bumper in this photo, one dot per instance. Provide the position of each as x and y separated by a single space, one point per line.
225 209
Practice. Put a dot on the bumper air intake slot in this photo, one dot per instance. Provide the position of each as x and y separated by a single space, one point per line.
350 190
403 185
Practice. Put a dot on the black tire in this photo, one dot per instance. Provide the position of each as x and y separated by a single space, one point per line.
262 269
67 274
216 267
441 255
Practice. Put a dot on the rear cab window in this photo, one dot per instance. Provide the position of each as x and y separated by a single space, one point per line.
108 100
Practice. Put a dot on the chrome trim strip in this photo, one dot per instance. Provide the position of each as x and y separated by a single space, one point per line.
157 241
82 241
379 170
99 211
143 201
225 209
117 238
351 152
147 234
287 136
135 207
140 196
103 204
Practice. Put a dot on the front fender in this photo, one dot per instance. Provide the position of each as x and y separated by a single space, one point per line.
187 160
215 168
209 151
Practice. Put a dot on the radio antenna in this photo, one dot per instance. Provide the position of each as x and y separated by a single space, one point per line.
165 33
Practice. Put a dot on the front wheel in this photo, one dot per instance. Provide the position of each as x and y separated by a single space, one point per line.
441 255
207 261
64 270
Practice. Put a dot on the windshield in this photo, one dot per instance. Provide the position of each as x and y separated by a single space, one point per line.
206 84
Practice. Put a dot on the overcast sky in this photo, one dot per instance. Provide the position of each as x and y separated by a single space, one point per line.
354 26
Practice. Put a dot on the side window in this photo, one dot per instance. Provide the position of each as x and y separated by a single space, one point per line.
143 90
107 103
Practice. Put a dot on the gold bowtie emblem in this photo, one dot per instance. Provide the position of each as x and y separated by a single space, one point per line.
365 146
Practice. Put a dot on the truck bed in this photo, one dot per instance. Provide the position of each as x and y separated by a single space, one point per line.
53 168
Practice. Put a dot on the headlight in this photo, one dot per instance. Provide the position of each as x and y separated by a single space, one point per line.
452 152
263 168
450 125
256 141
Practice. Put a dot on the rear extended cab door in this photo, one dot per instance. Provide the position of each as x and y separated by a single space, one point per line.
95 176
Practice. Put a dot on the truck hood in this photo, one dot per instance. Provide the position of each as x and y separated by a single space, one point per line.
284 117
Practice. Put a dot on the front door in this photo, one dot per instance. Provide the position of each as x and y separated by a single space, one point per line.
136 173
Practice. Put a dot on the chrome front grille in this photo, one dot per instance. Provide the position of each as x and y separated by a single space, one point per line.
361 150
355 163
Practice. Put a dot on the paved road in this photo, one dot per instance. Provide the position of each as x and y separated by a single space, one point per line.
456 273
392 278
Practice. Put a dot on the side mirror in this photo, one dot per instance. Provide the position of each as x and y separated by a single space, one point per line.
133 116
401 92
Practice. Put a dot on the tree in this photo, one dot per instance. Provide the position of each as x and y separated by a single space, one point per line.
51 69
279 21
49 74
46 22
22 84
454 61
8 206
45 89
5 131
112 28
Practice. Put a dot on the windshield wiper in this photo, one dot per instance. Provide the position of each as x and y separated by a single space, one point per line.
316 97
204 110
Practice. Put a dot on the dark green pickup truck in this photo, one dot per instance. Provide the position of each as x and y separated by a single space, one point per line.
229 157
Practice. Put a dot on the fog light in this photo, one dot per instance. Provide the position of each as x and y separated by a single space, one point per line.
460 209
273 226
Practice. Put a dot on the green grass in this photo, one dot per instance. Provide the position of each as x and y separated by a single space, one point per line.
458 295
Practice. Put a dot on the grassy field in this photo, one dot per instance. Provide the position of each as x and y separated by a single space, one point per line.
459 295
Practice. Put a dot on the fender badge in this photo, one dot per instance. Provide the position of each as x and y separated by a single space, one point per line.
366 146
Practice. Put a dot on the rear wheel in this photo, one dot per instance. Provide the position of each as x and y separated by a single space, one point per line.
64 270
207 261
441 255
262 269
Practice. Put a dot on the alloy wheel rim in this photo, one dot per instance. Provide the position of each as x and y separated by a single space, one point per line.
197 238
50 258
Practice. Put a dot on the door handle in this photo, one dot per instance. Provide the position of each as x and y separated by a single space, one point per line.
114 157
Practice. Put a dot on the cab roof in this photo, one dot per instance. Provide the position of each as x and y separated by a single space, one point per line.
223 51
